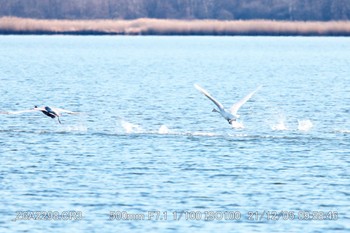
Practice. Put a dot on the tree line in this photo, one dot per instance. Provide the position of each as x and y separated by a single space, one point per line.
295 10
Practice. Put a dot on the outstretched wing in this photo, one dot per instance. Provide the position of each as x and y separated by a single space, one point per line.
217 103
234 109
61 110
20 112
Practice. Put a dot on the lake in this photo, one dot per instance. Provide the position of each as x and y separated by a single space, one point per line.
146 152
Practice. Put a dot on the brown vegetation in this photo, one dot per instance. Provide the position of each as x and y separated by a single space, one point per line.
10 25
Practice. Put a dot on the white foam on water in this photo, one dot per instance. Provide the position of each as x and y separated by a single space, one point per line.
345 131
304 125
163 129
72 128
237 125
279 126
130 127
203 134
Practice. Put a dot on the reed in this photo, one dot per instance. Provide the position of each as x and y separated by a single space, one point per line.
145 26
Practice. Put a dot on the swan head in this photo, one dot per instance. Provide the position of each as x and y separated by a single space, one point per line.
231 121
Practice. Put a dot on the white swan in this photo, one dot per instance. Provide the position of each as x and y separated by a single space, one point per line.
48 111
231 115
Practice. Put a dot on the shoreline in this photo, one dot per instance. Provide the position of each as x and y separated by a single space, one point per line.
169 27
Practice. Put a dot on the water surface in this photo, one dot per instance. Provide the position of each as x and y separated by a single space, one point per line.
146 139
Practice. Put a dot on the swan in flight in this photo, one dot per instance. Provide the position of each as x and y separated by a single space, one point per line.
48 111
231 115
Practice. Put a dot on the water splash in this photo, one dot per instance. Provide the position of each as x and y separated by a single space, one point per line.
304 125
163 130
279 126
131 128
237 125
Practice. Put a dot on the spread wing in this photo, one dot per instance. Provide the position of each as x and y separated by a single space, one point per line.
234 109
217 103
61 110
20 112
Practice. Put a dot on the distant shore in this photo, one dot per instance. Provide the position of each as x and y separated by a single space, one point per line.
25 26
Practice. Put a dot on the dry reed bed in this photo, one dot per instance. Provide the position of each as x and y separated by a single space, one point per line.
11 25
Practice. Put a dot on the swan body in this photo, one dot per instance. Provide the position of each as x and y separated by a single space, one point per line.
48 111
230 115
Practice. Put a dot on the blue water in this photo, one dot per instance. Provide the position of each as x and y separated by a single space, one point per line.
146 139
